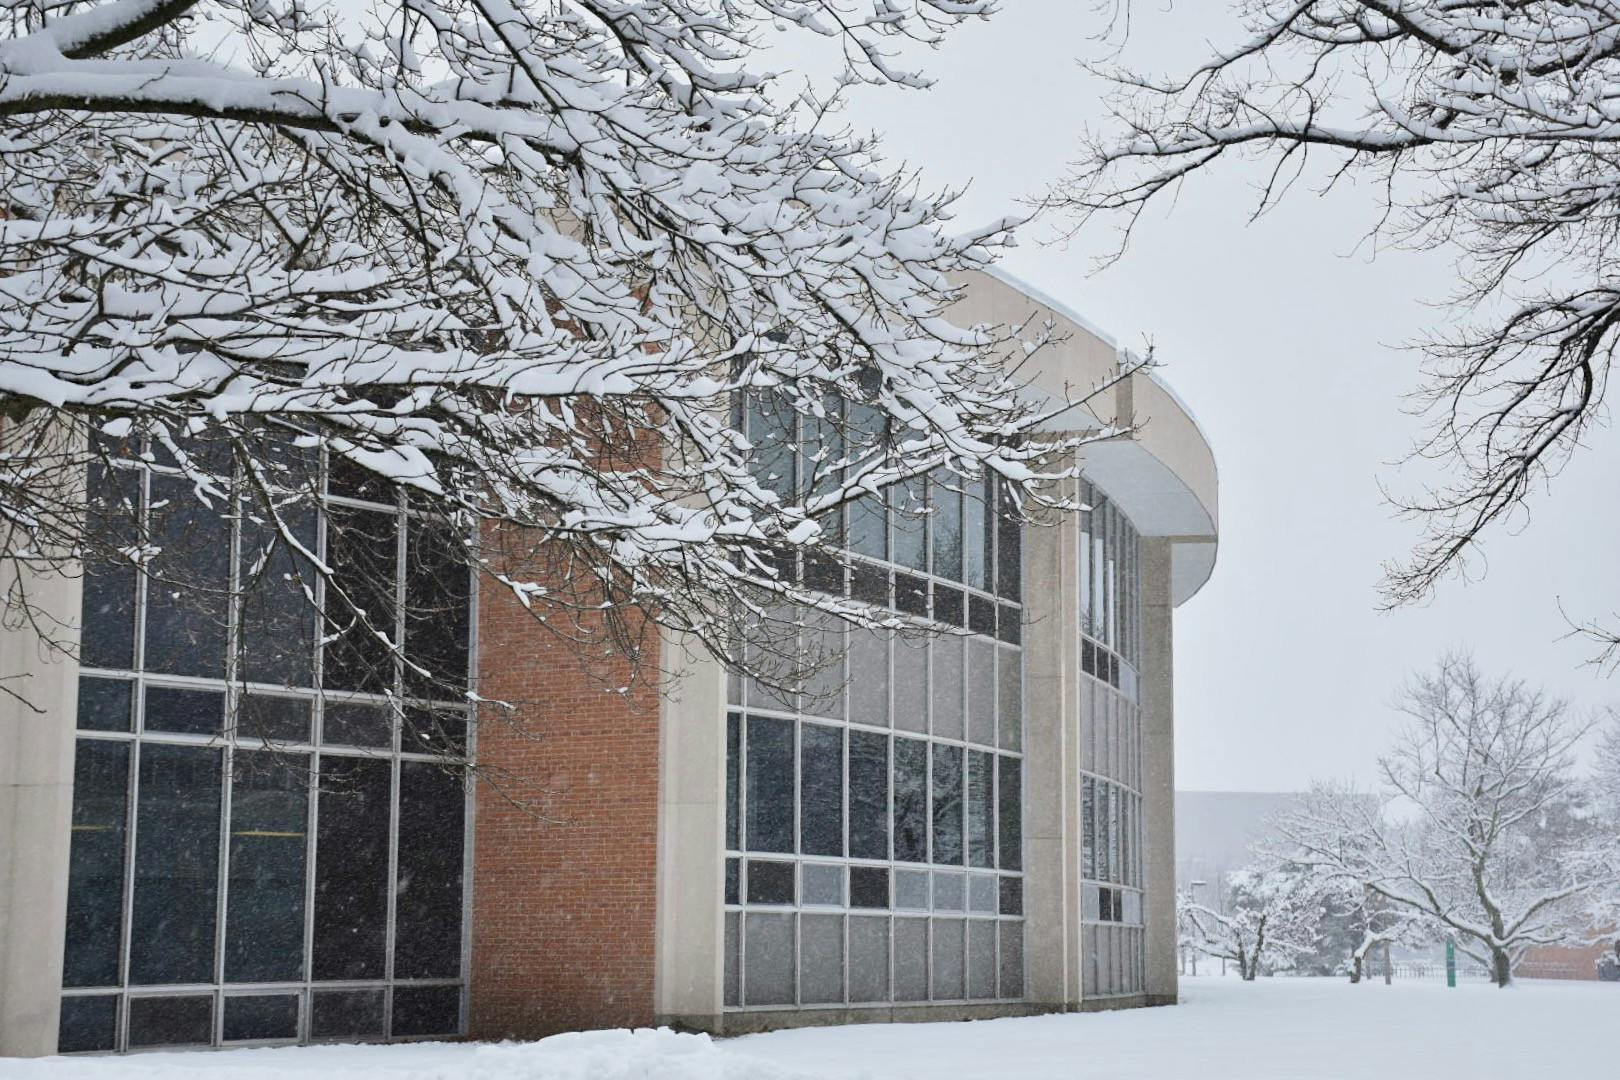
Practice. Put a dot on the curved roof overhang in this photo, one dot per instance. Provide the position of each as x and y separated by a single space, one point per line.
1163 475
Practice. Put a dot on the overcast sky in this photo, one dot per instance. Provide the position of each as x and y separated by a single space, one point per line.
1284 339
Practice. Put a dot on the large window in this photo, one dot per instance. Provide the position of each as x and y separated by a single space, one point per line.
874 815
1111 856
269 820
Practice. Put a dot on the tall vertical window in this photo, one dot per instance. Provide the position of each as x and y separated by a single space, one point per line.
269 821
874 821
1112 937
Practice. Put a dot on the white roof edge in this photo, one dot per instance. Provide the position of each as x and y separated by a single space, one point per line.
1046 299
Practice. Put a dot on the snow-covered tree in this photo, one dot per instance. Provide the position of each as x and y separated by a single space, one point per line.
1274 914
1487 126
1477 835
528 260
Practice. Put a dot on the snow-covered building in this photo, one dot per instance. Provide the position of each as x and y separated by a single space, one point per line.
968 825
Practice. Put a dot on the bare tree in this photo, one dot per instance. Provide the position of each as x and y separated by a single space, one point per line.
1473 835
1485 126
520 266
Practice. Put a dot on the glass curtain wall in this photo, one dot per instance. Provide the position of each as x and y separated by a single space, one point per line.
874 815
1112 946
261 851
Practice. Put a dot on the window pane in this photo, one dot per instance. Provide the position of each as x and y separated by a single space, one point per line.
426 1010
87 1024
108 607
279 623
768 960
438 594
770 784
96 863
1011 806
733 782
947 686
770 882
868 959
868 795
981 793
1012 959
1010 698
821 790
950 892
946 524
947 804
428 893
1012 896
104 704
346 1014
869 677
176 869
351 869
1088 828
911 890
823 884
733 990
188 584
1009 575
261 1016
910 800
176 1021
771 431
981 692
264 924
950 967
821 959
982 894
869 886
908 533
189 712
356 723
911 683
975 538
911 959
273 719
361 547
981 958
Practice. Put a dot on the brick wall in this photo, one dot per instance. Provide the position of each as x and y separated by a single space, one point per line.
564 888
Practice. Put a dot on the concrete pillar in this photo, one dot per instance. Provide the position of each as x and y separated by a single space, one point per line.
1051 764
38 706
691 842
1158 770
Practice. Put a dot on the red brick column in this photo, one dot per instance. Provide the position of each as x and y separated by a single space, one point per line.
563 892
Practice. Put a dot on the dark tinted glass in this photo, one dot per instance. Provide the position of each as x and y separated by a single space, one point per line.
188 584
104 704
176 872
981 616
948 605
823 573
1012 896
911 595
910 800
438 593
1009 567
947 804
279 623
108 605
264 925
261 1016
733 881
189 712
946 523
821 790
869 584
434 731
733 782
770 784
770 882
426 1010
427 894
351 869
346 1014
171 1021
357 723
981 808
361 547
87 1024
869 886
274 719
96 863
1012 813
868 795
1010 624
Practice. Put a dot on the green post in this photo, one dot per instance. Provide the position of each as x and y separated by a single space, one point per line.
1451 963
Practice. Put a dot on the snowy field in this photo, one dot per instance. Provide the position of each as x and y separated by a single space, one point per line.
1224 1030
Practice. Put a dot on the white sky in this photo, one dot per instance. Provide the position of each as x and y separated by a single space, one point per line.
1283 338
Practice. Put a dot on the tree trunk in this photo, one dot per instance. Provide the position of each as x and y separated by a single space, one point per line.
1501 967
1355 968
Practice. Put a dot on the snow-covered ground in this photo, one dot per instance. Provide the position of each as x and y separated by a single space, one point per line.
1225 1030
